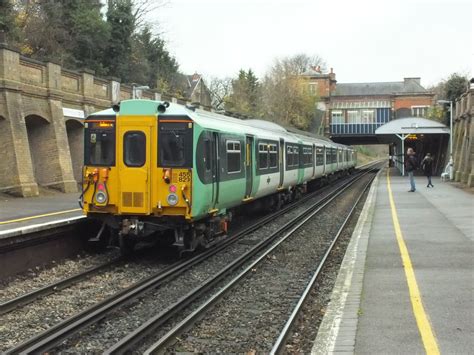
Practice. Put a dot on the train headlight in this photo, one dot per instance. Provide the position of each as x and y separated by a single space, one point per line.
101 197
172 199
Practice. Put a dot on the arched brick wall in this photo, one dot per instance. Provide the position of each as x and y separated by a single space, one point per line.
75 136
42 147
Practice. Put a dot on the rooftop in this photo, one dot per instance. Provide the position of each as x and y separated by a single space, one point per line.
407 86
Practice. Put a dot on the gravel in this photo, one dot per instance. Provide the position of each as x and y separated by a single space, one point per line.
23 323
101 336
251 316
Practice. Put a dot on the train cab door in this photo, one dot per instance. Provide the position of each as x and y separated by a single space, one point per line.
134 167
281 165
248 166
314 160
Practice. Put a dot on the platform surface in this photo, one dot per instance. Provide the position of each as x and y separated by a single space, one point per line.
18 213
372 311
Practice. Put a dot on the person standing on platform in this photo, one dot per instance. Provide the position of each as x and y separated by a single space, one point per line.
427 166
410 166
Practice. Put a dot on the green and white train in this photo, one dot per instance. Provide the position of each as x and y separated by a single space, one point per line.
160 170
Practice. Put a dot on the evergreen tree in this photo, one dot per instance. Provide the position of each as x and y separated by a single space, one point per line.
246 93
118 53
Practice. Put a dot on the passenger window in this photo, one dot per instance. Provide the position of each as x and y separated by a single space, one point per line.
233 156
296 155
289 156
273 155
262 156
134 148
319 156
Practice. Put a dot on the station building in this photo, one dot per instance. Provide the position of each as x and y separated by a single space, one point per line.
353 111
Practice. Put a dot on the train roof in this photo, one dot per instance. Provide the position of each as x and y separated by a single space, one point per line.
214 120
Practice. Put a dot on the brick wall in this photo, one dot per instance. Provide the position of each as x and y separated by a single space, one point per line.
75 135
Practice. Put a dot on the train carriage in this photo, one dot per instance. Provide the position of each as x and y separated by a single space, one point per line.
170 171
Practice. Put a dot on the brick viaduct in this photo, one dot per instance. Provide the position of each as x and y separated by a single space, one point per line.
41 144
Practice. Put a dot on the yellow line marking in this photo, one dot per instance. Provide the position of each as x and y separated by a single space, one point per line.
427 335
39 216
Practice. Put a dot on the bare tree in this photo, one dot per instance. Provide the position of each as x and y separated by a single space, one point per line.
286 96
220 90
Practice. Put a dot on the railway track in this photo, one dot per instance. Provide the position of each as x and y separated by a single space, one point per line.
66 329
175 332
59 285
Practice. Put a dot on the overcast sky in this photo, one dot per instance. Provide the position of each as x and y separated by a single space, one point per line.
363 40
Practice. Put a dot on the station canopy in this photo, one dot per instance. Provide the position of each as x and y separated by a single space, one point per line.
402 127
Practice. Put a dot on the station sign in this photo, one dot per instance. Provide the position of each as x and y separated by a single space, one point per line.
73 113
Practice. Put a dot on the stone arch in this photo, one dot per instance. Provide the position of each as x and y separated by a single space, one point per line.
42 149
7 176
75 137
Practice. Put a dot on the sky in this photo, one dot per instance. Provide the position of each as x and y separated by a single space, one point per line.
363 40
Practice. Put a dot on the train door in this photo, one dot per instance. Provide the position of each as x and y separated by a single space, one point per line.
314 160
324 160
134 167
215 168
248 166
281 164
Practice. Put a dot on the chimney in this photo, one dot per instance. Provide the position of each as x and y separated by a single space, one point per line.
412 80
331 71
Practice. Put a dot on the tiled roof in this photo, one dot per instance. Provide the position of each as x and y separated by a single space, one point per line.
409 86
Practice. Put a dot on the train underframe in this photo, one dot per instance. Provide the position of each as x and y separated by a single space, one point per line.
126 231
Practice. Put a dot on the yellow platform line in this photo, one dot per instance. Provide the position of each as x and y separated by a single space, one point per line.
424 326
39 216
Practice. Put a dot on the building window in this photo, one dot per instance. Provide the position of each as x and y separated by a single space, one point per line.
368 116
353 116
337 117
313 88
419 111
233 156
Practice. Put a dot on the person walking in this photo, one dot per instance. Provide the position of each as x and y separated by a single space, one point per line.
411 165
427 166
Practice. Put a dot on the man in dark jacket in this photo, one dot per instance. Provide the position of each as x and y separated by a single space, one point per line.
427 166
411 165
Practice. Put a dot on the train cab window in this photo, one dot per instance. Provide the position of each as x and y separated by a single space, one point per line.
319 156
262 156
134 148
99 143
175 144
273 150
233 156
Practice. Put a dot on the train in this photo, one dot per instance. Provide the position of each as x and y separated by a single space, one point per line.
165 171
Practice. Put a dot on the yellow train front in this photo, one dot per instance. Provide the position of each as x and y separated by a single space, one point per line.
128 182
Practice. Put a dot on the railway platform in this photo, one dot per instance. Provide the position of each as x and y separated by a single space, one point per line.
18 215
406 283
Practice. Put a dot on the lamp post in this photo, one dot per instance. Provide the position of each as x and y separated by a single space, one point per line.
135 88
451 162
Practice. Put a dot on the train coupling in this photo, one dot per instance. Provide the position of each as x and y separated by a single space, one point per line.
132 227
